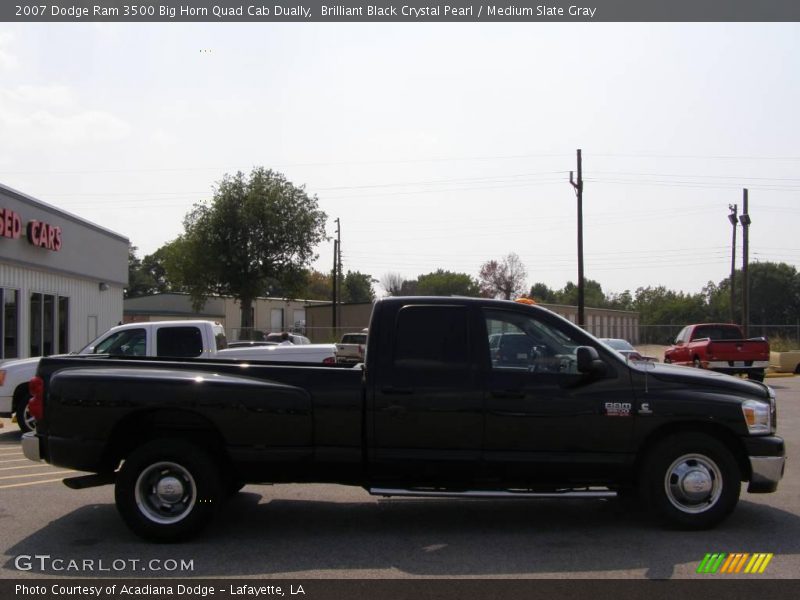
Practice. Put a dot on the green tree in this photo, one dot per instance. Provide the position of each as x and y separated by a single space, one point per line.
774 295
139 283
446 283
663 312
593 295
257 229
357 287
541 292
318 286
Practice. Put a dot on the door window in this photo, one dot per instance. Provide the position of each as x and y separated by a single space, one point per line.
128 342
522 342
431 346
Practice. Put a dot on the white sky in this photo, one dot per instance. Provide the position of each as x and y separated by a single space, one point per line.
437 145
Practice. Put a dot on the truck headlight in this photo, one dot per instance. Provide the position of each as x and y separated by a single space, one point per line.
758 416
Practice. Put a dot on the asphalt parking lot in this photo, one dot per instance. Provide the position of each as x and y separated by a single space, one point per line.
324 531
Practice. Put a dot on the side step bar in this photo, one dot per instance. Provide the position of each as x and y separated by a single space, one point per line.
433 493
82 482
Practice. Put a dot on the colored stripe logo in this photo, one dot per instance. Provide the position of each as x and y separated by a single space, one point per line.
738 562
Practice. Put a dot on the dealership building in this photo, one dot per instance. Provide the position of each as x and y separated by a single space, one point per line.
61 278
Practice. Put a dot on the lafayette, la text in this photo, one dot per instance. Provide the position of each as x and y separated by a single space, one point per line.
252 591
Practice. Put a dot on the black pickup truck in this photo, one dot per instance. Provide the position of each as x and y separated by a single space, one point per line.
444 406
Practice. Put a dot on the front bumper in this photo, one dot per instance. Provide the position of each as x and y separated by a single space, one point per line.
30 446
767 457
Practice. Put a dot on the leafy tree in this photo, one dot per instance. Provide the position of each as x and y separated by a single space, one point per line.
663 312
774 295
357 287
409 288
446 283
257 229
139 283
541 292
503 279
592 294
148 276
318 286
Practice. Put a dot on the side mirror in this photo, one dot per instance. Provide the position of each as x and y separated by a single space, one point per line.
589 361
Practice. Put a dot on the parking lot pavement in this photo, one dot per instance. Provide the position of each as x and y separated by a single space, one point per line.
17 471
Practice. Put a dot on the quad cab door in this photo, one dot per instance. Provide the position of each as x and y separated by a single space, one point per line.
545 421
427 411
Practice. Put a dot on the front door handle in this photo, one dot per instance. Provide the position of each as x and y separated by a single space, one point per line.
399 391
509 394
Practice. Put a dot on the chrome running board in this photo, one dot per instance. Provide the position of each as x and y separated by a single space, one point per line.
432 493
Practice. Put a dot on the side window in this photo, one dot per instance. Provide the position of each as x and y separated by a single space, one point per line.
520 342
179 342
129 342
431 347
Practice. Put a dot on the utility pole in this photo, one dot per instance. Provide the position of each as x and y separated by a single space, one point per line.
734 221
339 278
744 219
579 193
333 286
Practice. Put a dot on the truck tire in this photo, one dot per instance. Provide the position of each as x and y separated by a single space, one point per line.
691 481
25 420
168 490
756 375
696 363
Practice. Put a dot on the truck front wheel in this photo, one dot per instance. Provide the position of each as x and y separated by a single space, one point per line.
691 480
168 490
25 420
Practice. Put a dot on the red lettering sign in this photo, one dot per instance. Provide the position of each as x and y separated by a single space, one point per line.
44 235
10 223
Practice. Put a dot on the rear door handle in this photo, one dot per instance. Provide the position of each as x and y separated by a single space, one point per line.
509 394
392 390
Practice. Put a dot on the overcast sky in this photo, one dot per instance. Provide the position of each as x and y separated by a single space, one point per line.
437 145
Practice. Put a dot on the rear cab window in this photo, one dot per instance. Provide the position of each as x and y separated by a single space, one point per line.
179 342
432 347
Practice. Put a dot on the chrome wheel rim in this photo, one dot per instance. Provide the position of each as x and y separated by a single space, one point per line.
165 492
29 419
693 483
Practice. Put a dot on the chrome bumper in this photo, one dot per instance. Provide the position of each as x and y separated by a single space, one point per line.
767 471
30 446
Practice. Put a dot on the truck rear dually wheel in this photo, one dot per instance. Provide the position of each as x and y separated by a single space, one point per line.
168 490
691 480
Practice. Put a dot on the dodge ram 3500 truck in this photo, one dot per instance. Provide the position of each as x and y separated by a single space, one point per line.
432 413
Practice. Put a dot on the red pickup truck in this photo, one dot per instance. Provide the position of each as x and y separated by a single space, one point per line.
719 347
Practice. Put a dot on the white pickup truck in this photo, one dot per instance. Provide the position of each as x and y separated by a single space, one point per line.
178 339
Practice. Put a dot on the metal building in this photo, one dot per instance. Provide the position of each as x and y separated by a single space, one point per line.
61 278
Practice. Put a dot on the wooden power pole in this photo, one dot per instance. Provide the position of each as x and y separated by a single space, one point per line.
744 219
581 287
